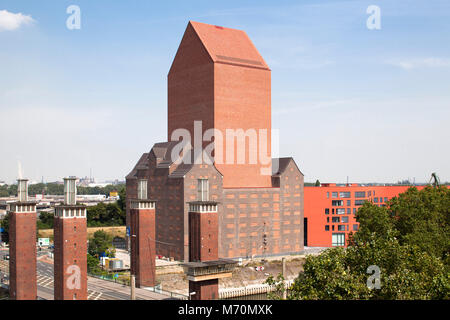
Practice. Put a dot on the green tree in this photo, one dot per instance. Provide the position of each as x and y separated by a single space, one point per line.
317 184
115 215
34 189
4 191
373 220
101 243
407 240
4 223
45 220
96 215
93 264
12 189
122 198
422 219
105 215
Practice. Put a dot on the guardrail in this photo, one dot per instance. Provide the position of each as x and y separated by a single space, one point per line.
227 293
174 295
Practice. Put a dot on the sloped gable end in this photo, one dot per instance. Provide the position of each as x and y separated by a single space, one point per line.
191 52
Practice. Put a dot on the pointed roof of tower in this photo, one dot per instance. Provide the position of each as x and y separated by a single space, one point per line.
226 45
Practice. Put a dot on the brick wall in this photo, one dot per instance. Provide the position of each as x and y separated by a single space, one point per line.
22 263
249 213
204 290
203 245
70 239
143 246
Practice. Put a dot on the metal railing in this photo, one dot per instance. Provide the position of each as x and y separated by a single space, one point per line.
174 295
110 277
206 270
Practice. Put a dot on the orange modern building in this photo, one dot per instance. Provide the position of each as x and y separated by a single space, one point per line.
330 210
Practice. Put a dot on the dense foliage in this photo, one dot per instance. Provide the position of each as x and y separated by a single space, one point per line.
409 240
93 265
45 220
4 223
102 215
100 244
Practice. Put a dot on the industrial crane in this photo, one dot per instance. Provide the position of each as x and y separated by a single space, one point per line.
434 177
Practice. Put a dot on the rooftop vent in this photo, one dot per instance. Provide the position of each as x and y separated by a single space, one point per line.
22 190
70 191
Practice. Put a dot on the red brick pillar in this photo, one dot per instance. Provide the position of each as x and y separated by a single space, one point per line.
143 246
70 253
22 251
203 247
203 233
204 290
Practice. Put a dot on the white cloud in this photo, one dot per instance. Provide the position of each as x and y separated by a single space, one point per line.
421 63
12 21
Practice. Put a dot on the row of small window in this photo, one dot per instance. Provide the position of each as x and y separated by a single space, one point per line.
339 210
339 203
202 189
343 219
341 227
347 194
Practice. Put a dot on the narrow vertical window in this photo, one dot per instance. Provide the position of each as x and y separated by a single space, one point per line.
142 189
203 190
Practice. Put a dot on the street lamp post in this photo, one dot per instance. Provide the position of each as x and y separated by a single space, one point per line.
133 283
132 276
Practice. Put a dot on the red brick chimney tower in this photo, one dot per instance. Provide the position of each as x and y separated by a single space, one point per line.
143 247
205 268
70 239
218 77
22 246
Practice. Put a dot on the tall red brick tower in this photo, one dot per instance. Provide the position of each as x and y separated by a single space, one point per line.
70 239
143 246
205 268
22 246
218 77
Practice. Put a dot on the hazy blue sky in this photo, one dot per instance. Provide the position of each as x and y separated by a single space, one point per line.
373 105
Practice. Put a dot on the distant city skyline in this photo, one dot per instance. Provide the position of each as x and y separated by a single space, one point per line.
411 180
373 105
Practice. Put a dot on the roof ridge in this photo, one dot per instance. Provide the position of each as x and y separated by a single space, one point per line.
219 57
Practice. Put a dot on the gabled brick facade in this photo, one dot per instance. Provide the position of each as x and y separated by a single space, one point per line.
219 78
252 221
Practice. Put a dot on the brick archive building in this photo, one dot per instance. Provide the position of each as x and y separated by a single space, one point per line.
219 78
